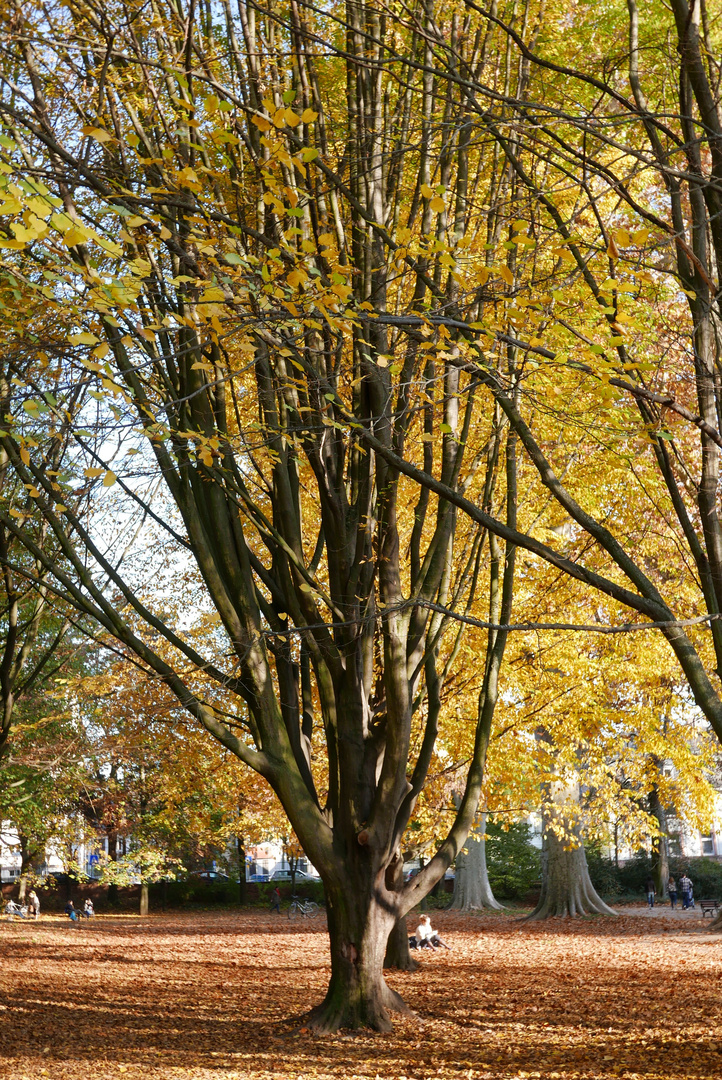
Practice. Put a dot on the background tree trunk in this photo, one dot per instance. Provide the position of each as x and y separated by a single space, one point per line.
144 898
472 890
398 955
566 886
660 845
113 898
242 889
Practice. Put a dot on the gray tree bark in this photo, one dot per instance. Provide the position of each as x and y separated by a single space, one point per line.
567 889
472 890
660 845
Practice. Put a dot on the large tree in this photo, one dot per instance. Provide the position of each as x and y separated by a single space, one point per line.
236 265
291 293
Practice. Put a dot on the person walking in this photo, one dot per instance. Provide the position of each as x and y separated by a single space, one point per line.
276 900
34 903
651 890
685 886
672 890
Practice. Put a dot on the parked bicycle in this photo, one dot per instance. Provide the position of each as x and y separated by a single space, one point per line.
14 910
308 908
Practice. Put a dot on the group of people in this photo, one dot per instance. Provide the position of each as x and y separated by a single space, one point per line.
686 890
87 912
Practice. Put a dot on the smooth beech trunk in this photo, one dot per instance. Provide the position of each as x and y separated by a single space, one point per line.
567 889
398 955
660 844
358 995
472 890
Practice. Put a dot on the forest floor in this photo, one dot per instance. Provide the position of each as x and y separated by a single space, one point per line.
205 996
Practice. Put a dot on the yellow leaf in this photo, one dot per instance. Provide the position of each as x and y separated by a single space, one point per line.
109 479
308 116
92 473
292 118
427 192
261 122
135 221
102 350
506 274
212 295
25 456
612 249
83 339
99 134
187 176
296 278
437 204
640 236
165 234
75 235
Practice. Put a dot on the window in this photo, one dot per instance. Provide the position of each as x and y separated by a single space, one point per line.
707 845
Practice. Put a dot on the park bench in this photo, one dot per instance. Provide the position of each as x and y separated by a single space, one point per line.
710 906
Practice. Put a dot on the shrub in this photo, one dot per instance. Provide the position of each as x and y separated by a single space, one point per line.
604 873
512 861
706 876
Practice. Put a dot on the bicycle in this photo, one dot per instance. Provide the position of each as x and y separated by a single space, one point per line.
307 908
14 910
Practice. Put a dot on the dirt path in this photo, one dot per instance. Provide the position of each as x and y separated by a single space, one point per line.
213 996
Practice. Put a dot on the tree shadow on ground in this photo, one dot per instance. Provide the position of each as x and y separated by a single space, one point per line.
549 1003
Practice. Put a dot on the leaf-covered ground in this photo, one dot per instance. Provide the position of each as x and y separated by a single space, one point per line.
213 996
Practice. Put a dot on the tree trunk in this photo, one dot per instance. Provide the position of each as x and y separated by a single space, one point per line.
25 862
398 955
660 845
143 899
566 887
113 898
242 890
472 890
358 996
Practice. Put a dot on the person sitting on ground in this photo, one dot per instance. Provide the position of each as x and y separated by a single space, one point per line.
650 890
34 903
70 911
425 937
88 910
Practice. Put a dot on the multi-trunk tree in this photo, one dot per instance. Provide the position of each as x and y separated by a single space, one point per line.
324 273
246 258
